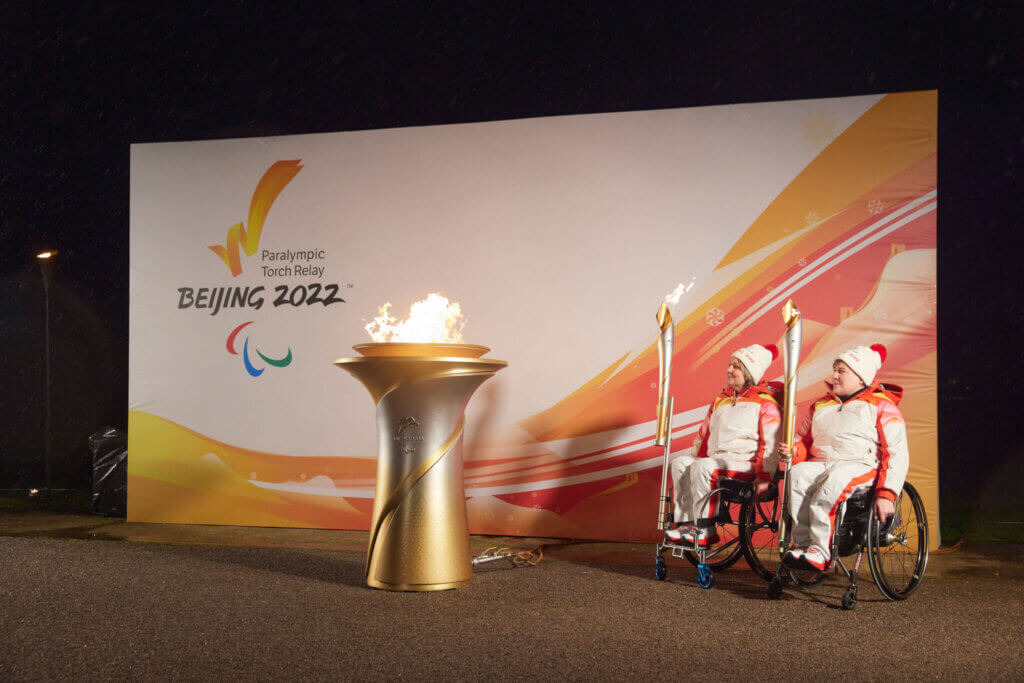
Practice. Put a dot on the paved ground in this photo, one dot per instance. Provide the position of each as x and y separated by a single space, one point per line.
92 598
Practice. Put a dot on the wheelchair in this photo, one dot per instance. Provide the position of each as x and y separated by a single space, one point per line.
742 518
896 549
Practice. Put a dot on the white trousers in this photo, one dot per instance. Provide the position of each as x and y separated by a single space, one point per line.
694 478
816 490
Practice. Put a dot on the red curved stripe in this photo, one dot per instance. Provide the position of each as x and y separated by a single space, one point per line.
231 337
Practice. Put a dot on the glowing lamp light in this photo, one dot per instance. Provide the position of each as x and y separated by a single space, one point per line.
46 255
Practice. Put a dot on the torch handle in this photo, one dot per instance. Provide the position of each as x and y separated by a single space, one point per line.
664 508
788 426
783 514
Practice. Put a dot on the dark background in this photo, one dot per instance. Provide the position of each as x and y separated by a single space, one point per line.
82 83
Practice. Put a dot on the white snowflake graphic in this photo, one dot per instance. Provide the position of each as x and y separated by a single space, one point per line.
714 317
880 315
875 206
812 217
802 262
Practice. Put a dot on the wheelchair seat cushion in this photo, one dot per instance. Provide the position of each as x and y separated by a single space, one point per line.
733 487
859 504
861 497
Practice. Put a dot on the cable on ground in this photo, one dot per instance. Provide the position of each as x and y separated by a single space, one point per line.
954 547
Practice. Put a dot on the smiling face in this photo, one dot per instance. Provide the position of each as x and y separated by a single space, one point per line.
736 376
844 380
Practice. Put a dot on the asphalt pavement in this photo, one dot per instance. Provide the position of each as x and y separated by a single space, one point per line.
96 599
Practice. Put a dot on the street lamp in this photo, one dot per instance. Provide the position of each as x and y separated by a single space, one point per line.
45 259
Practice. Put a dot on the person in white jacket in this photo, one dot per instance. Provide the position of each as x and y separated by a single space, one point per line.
853 437
737 440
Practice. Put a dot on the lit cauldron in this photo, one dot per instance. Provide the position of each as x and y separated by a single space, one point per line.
419 535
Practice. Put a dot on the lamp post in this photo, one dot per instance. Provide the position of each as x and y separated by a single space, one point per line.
45 259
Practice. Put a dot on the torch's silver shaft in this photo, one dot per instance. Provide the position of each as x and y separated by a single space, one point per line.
791 360
664 504
663 433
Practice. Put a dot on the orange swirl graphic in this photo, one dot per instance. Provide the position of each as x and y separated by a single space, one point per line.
270 185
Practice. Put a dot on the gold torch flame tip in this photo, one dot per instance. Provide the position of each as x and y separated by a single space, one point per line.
664 317
790 313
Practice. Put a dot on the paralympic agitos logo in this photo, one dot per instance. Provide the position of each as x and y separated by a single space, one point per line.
247 362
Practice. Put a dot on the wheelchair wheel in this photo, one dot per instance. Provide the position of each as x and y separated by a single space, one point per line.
898 548
660 570
759 535
725 557
775 588
807 578
729 548
850 598
705 577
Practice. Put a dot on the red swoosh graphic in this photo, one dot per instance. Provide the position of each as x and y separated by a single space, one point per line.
234 333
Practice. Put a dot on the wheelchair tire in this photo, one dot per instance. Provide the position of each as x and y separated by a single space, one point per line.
759 535
898 550
807 578
660 570
850 598
705 577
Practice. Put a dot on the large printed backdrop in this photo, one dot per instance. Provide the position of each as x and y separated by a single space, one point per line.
256 262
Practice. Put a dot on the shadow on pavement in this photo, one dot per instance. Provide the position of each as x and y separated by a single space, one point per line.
324 566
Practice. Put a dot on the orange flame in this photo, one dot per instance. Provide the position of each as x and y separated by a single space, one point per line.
432 320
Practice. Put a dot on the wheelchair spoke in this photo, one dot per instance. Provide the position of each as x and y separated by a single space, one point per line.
895 563
760 536
727 550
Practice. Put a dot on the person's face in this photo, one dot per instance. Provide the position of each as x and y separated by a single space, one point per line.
734 375
844 380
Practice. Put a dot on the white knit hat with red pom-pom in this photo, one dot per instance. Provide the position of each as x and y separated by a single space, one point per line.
864 360
756 359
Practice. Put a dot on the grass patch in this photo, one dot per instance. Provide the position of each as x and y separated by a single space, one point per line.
980 523
68 501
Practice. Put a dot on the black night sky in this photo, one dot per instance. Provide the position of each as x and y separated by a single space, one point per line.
82 81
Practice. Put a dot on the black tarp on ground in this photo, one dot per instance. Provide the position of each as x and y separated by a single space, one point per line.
109 448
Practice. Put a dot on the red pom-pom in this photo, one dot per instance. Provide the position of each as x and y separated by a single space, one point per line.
773 349
880 350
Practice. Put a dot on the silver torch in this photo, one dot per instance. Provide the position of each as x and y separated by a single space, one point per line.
791 358
663 436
